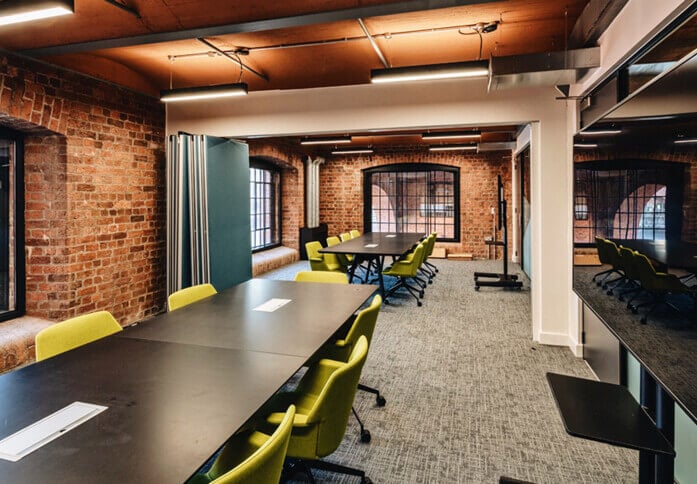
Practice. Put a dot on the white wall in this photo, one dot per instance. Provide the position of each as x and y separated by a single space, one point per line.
419 105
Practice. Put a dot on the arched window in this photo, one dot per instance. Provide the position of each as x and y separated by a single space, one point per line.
413 198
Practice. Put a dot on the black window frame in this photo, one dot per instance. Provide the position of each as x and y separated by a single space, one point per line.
20 262
413 168
276 183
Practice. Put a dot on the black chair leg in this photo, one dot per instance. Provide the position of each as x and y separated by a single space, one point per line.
331 467
379 399
365 433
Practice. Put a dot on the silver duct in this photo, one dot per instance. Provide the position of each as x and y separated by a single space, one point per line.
312 191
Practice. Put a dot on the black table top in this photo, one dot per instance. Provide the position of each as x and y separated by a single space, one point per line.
667 352
672 253
605 412
170 407
228 320
385 243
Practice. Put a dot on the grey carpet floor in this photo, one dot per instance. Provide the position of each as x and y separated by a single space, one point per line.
467 398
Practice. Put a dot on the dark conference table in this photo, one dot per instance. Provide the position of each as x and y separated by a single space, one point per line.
670 253
171 403
376 246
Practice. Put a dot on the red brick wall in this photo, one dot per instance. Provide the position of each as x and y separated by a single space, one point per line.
341 199
290 161
95 192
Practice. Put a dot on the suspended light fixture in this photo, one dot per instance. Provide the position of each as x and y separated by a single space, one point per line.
17 11
585 145
357 151
333 140
685 141
431 72
601 132
453 148
452 135
205 92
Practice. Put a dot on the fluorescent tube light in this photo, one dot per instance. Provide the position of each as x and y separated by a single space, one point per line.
334 140
453 148
16 11
358 151
585 145
601 132
206 92
452 135
685 141
431 72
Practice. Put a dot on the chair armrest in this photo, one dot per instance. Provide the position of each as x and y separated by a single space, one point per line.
315 259
316 377
299 420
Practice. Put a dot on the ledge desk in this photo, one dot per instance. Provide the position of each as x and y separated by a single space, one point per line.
375 246
176 386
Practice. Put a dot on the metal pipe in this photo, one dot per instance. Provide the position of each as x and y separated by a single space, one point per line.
231 58
373 44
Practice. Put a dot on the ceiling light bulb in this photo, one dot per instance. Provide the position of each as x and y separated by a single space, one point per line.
430 72
453 148
585 145
17 12
205 92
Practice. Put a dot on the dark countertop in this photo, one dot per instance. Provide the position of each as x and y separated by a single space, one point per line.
666 347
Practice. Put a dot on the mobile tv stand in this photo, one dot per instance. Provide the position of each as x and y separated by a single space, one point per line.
505 279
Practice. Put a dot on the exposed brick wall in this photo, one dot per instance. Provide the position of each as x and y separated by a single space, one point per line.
686 154
290 161
95 192
341 198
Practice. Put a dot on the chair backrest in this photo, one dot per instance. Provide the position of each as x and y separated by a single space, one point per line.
629 263
355 233
332 407
333 240
265 465
646 272
322 276
430 243
334 258
415 258
608 253
74 332
312 249
345 236
364 324
189 295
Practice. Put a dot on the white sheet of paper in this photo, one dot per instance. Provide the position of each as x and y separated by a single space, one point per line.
272 304
370 246
389 236
38 434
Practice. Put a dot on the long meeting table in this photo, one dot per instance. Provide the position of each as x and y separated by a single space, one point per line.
176 387
375 246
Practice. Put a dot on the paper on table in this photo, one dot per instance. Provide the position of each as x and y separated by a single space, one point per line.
370 246
272 304
389 236
38 434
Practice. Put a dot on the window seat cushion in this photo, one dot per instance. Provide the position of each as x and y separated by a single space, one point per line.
268 260
17 341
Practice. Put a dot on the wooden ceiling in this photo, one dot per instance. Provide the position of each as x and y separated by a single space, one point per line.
160 49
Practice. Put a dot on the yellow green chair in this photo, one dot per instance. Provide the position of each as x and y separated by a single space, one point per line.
345 237
319 261
340 350
322 276
251 457
323 400
354 233
74 332
404 270
341 258
428 252
190 295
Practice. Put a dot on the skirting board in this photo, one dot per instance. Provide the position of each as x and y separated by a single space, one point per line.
560 339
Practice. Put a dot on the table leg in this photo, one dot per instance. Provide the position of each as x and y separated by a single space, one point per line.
352 270
379 261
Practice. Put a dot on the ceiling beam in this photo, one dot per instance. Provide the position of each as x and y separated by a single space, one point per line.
392 8
595 18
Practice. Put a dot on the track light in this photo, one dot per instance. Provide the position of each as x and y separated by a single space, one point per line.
206 92
17 11
600 132
430 72
453 148
452 135
685 141
333 140
585 145
357 151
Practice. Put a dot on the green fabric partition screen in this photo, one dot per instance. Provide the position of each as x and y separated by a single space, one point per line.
208 224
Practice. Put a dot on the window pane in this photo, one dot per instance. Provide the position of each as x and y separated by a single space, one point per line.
264 190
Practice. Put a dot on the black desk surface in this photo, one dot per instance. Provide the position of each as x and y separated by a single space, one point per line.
672 253
228 320
388 243
170 407
667 352
605 412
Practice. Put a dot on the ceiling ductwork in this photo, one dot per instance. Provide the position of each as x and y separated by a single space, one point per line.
546 69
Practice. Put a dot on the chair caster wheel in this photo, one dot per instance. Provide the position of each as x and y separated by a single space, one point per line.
380 400
430 281
366 480
635 310
421 294
365 436
419 303
609 293
476 288
621 298
643 320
